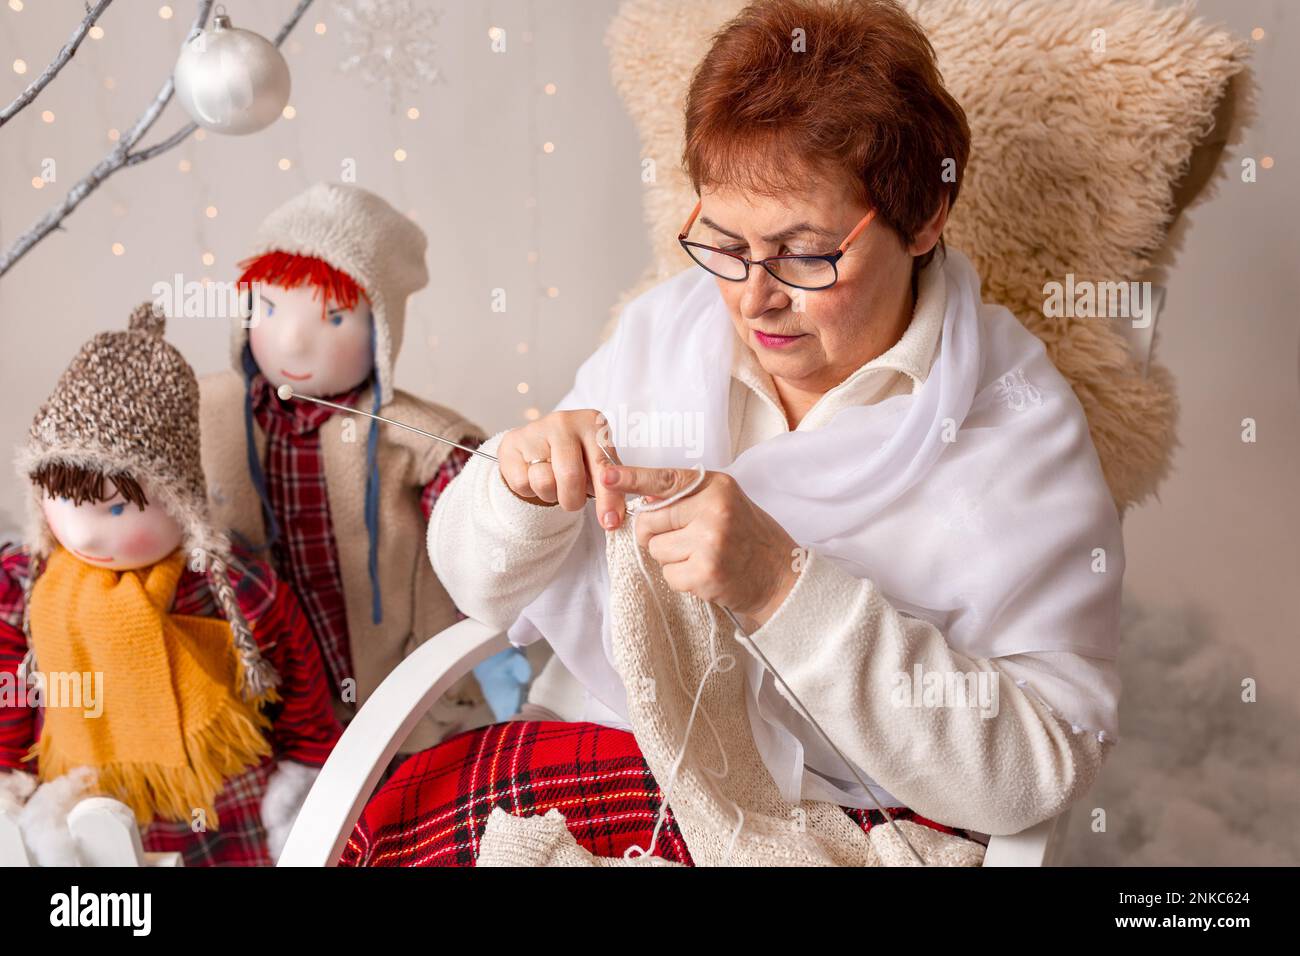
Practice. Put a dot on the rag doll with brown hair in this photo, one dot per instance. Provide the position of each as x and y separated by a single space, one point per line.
201 698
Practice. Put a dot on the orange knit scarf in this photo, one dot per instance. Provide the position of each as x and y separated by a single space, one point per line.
172 727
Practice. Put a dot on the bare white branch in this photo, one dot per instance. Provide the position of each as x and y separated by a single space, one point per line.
60 60
121 156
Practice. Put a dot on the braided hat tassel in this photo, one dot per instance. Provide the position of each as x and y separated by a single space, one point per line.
28 663
257 678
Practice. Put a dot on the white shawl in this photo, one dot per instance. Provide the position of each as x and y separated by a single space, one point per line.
976 503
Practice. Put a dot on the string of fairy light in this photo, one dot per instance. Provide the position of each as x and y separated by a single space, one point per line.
20 66
47 116
96 52
537 150
107 85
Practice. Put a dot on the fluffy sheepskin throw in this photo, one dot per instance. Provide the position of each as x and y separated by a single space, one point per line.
1093 124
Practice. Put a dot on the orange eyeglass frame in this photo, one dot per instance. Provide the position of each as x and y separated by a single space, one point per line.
832 257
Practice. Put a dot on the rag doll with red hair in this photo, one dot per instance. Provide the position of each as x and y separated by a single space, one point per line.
338 502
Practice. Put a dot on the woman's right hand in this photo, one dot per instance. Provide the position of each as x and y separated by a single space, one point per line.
567 462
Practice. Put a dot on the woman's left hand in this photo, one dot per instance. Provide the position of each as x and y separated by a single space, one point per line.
714 543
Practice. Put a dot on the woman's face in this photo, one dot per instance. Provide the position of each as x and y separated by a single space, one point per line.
809 342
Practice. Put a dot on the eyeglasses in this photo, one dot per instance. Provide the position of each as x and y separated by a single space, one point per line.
810 273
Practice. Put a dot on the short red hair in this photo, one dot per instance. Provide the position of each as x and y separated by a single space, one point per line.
290 272
863 99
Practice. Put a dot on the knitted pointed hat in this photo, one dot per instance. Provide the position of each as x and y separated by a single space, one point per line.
359 233
129 405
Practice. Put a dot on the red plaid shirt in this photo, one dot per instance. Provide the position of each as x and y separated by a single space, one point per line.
306 553
303 725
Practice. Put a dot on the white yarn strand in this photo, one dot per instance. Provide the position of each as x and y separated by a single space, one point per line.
793 697
718 663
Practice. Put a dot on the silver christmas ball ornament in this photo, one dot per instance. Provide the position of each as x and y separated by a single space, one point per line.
230 80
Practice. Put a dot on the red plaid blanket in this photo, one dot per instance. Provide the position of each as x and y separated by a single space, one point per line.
433 810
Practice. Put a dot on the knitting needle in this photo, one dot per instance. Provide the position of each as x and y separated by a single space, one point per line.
286 392
794 698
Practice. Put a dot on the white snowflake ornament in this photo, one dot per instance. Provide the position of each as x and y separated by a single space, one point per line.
390 43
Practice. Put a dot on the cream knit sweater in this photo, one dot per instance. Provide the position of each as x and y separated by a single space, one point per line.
992 774
836 640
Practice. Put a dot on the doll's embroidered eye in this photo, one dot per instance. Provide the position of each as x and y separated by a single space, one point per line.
117 509
336 318
269 306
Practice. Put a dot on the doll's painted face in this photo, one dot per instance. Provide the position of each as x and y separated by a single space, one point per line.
113 533
317 350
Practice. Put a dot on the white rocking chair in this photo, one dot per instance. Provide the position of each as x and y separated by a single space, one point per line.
372 738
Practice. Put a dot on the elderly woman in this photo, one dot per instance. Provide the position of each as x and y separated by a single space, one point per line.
881 477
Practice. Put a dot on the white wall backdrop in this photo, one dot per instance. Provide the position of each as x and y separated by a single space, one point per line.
1223 533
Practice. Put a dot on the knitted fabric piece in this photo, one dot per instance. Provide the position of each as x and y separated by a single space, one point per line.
130 400
728 808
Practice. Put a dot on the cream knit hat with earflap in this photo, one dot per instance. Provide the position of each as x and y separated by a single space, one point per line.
359 233
129 404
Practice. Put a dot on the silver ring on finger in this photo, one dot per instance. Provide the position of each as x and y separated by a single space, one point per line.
538 461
